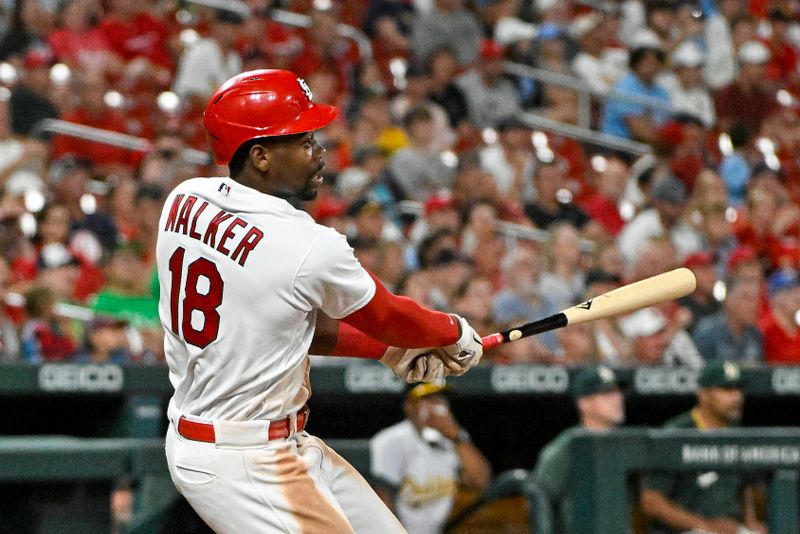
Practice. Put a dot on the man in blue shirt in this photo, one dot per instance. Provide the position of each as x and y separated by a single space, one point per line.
635 121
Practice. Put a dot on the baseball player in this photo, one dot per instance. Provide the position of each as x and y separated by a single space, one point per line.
249 286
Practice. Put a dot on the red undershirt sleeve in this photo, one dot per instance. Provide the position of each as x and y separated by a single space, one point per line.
401 322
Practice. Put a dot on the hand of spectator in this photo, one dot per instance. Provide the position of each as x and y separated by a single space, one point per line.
440 418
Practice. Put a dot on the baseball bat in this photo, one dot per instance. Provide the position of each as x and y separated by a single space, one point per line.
666 286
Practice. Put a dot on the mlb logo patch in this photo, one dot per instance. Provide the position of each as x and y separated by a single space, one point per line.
224 188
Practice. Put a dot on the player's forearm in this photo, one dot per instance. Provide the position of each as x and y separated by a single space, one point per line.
475 470
655 505
401 322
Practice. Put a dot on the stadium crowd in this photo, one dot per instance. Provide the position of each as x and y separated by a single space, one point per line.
431 117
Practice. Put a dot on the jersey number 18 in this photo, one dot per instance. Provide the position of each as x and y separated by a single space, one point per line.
204 303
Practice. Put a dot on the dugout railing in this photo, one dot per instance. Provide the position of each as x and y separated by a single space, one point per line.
602 465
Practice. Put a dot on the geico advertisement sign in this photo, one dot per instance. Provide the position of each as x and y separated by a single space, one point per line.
371 379
76 377
786 381
525 379
661 380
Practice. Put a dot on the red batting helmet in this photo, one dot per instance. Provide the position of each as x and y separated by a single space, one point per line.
260 103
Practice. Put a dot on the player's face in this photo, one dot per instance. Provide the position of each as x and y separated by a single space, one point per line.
725 403
296 167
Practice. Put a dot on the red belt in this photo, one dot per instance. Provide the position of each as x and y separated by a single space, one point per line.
278 429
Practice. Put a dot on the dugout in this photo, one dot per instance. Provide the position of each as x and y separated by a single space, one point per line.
70 431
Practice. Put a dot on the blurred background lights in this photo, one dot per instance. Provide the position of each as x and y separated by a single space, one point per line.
599 164
60 74
188 37
489 136
113 99
725 144
449 158
8 73
27 223
168 102
88 204
719 291
34 200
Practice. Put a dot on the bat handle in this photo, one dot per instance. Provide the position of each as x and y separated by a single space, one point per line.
492 340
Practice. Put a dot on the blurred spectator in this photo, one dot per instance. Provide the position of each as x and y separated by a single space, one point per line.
135 34
553 202
601 407
686 88
127 294
68 179
209 62
438 212
610 345
490 97
563 280
449 272
635 121
603 205
104 342
9 339
449 25
373 125
43 336
419 464
324 48
664 219
657 341
417 169
92 110
578 346
783 66
480 227
79 42
731 334
595 63
779 324
148 201
720 68
701 302
521 298
31 23
415 95
31 99
510 161
443 68
743 264
711 501
750 98
734 167
21 160
473 301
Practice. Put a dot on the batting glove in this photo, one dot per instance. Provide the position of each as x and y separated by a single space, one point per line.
465 353
414 365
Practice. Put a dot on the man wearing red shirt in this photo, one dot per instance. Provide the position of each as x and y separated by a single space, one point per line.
779 323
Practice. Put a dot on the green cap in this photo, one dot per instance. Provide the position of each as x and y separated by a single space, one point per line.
721 375
600 379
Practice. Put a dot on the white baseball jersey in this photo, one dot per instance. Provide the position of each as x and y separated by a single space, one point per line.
242 274
425 475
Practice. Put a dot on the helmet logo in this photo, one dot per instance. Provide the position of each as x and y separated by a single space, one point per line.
304 87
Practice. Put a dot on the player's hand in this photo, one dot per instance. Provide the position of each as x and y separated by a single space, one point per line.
414 365
440 418
465 353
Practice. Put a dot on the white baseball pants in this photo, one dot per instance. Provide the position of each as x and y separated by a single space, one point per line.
243 484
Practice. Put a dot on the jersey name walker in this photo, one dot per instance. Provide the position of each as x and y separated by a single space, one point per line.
242 274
